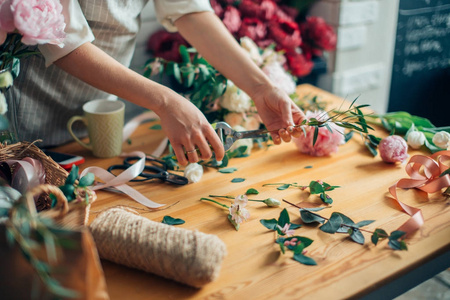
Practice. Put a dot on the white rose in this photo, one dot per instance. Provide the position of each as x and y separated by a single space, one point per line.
193 172
416 139
441 139
234 99
3 104
6 79
252 49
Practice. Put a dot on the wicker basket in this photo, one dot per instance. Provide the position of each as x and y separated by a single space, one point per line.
75 213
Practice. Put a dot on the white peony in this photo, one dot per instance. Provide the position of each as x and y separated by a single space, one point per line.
3 104
442 139
280 77
416 139
234 99
193 172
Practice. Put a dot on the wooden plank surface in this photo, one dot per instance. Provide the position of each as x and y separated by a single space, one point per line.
254 267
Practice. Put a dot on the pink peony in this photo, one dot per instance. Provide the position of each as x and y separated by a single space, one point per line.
232 19
253 28
286 33
299 64
327 142
39 21
393 149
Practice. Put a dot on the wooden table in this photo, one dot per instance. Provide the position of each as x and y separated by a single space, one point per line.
254 267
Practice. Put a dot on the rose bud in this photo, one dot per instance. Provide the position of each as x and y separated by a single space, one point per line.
416 139
393 149
272 202
193 172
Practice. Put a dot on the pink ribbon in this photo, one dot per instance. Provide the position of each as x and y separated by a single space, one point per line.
424 173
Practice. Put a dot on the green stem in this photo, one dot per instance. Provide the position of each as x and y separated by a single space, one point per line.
211 200
218 196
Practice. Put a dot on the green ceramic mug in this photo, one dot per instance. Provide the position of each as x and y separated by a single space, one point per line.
104 120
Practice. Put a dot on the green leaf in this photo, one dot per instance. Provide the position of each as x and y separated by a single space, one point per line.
375 238
305 260
177 73
251 191
357 236
316 134
307 167
185 57
295 226
283 219
68 190
236 180
87 180
228 170
371 148
395 235
364 223
156 127
172 221
236 225
73 175
308 217
315 187
333 224
269 223
326 199
284 187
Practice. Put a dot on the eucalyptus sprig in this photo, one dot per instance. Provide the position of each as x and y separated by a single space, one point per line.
340 223
75 187
315 187
295 244
32 232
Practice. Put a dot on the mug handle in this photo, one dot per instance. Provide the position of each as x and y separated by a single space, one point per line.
69 127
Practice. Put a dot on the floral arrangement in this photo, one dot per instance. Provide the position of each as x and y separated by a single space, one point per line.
24 24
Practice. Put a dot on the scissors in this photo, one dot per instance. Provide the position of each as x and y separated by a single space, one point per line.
228 135
157 170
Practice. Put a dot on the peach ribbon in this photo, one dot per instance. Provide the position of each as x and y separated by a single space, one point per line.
424 173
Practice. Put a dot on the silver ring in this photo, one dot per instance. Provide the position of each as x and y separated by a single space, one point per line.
192 151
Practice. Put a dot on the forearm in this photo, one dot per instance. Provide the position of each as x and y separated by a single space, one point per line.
211 38
95 67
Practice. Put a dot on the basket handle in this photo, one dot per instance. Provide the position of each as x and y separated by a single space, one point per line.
61 199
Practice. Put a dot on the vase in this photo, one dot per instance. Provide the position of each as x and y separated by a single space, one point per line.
8 109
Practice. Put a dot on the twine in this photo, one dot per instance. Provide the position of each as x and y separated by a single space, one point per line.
190 257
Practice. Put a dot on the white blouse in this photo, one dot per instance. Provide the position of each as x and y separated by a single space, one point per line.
47 96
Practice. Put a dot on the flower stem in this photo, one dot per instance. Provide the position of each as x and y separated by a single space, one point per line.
218 196
218 203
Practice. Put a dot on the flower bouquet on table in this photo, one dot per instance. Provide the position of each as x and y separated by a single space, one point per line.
23 25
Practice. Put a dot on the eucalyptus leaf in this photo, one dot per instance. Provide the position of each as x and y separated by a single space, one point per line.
283 187
269 223
357 236
87 180
295 226
364 223
395 235
305 260
283 219
333 224
73 175
251 191
315 187
308 217
236 180
228 170
156 127
172 221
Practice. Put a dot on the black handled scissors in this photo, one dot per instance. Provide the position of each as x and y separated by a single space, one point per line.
157 170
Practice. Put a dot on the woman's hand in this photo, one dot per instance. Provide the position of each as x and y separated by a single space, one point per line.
188 130
278 112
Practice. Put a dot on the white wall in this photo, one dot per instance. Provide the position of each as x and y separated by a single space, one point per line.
362 64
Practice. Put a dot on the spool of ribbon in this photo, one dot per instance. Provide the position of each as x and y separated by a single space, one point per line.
425 174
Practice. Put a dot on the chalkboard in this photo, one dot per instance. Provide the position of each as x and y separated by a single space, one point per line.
421 67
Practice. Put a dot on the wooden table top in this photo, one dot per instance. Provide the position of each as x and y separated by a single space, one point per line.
254 268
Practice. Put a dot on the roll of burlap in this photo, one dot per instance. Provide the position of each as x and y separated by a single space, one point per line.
190 257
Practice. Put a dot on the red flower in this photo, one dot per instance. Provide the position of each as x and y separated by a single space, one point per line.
253 28
232 19
261 9
166 45
218 10
285 33
298 64
317 33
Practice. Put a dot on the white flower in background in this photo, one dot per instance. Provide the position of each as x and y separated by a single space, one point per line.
241 200
193 172
6 79
252 49
234 119
3 104
442 139
280 77
234 99
242 142
416 139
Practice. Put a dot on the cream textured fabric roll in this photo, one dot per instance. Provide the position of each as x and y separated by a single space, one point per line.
190 257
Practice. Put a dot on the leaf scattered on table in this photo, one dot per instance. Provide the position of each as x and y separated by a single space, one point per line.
228 170
172 221
235 180
251 191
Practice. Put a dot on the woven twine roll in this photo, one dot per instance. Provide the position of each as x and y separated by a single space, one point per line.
190 257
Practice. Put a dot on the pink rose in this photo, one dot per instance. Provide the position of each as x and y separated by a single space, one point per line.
218 10
253 28
299 64
6 17
327 142
39 21
232 19
393 149
317 33
261 9
285 33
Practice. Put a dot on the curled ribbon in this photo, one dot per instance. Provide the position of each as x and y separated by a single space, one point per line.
425 175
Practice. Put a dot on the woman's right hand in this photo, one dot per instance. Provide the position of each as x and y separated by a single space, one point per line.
188 129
